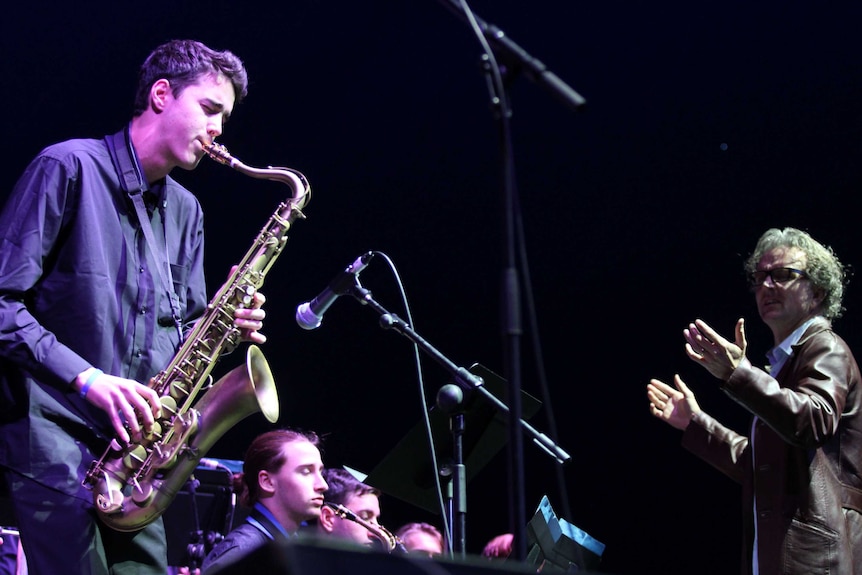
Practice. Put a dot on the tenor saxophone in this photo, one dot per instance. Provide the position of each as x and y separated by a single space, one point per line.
133 485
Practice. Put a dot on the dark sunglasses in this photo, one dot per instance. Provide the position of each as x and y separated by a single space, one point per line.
778 275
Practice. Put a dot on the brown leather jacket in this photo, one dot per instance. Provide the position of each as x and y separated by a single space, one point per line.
806 472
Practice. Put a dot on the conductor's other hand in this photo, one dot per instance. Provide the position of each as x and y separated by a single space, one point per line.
675 406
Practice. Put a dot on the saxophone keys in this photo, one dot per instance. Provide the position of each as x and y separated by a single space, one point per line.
179 389
110 498
142 494
134 458
156 433
245 294
110 503
169 402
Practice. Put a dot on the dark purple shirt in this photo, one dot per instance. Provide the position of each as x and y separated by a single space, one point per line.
79 287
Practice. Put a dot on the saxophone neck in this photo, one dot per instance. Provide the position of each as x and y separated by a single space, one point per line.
293 178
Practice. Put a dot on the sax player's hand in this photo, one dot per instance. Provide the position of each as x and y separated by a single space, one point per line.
131 407
250 320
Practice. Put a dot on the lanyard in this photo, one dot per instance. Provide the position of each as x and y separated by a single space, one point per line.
165 274
134 185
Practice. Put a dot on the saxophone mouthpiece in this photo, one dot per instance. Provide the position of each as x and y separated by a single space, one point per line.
218 153
341 510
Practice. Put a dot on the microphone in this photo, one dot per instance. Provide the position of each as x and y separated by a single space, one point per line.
309 315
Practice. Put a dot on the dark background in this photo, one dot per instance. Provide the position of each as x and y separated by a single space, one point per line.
706 124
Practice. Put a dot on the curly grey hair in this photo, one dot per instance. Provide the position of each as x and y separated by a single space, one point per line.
823 269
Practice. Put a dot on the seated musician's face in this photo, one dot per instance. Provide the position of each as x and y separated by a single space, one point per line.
297 488
366 507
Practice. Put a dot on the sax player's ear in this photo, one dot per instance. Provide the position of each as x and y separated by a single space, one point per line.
264 479
327 518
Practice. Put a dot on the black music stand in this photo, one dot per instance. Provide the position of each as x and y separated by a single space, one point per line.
407 473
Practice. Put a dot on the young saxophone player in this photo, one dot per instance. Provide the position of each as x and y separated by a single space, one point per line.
97 290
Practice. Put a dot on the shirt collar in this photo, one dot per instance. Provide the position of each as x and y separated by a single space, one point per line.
779 354
270 517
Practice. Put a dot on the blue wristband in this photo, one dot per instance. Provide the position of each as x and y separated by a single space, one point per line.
86 387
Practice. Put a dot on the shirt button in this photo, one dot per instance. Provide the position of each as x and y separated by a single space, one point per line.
143 311
141 269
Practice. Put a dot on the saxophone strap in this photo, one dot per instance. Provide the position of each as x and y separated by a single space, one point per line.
133 183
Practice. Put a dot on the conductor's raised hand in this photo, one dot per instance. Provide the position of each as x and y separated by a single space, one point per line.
719 356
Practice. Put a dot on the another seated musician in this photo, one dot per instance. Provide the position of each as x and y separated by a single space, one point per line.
422 539
283 484
363 503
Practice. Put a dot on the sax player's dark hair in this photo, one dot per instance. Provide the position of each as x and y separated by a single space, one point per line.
343 485
184 62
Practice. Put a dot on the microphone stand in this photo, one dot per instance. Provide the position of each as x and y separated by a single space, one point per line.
519 60
196 550
468 382
450 399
